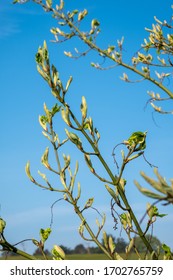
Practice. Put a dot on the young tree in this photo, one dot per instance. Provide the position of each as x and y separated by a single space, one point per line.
80 131
155 242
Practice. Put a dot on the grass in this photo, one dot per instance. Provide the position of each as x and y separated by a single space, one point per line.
87 257
68 257
132 256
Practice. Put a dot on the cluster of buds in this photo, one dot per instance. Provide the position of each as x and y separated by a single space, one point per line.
165 192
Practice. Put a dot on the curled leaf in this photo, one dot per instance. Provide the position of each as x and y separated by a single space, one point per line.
66 116
44 234
82 14
89 163
111 245
166 191
94 23
136 141
69 83
81 228
112 192
49 3
78 191
28 173
74 139
43 122
89 203
105 239
58 253
130 246
147 192
35 242
44 158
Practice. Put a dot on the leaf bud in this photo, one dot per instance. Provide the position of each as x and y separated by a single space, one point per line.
83 108
2 225
58 253
27 170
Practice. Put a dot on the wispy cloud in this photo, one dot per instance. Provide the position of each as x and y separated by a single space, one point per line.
8 29
11 17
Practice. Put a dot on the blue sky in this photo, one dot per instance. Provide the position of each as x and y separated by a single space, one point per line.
116 107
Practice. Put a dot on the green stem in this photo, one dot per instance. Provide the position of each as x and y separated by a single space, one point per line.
115 181
91 233
10 248
55 148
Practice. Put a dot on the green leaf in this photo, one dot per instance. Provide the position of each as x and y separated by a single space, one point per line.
47 136
160 186
168 254
105 239
73 178
28 173
147 192
126 220
42 73
55 109
69 54
94 23
89 163
44 234
49 3
35 242
88 124
44 158
156 185
43 122
166 249
84 108
69 83
74 138
2 225
78 191
66 160
20 1
136 141
118 257
66 116
89 203
111 245
55 76
58 253
38 56
47 112
61 6
112 192
130 246
103 219
82 14
42 175
152 211
81 228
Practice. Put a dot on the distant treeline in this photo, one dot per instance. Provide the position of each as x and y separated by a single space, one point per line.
120 247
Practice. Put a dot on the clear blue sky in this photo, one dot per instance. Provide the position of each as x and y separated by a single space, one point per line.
117 109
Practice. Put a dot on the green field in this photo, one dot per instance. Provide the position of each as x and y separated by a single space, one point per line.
68 257
87 257
77 257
